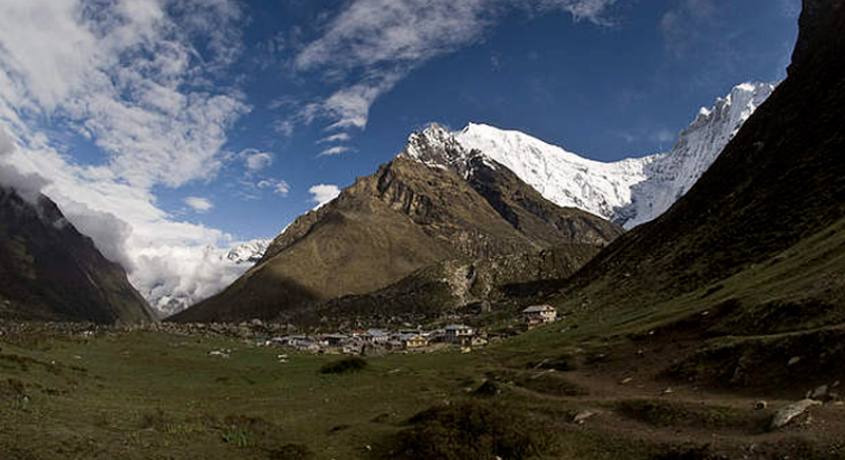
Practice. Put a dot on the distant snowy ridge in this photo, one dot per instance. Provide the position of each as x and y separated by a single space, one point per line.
630 192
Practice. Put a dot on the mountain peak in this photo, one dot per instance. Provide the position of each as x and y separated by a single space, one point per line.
435 146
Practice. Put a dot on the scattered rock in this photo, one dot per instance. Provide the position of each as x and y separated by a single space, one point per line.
793 361
761 405
582 416
788 413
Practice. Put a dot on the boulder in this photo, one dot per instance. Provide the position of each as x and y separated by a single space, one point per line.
582 416
788 413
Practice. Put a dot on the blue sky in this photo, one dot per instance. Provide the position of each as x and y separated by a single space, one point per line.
169 130
604 91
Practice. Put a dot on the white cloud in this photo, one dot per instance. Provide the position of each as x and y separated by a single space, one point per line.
282 188
336 150
179 276
323 193
27 185
129 77
199 204
255 160
378 42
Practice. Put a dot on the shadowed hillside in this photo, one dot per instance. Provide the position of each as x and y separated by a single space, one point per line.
49 271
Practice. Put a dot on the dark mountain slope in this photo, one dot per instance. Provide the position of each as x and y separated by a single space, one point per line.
49 271
406 216
779 182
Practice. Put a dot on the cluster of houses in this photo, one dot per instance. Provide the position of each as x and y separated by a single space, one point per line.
375 340
358 342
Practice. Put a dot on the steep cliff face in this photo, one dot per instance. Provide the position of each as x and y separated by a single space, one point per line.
49 271
408 215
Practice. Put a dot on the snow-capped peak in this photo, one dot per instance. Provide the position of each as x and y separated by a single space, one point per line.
248 252
436 147
630 192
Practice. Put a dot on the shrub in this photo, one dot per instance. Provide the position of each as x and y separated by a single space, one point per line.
344 366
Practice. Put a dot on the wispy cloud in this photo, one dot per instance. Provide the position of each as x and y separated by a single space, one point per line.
685 24
336 150
279 187
376 43
339 137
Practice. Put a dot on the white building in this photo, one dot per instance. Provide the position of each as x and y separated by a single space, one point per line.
539 314
459 333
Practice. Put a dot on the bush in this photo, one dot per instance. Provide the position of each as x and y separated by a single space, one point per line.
470 430
346 365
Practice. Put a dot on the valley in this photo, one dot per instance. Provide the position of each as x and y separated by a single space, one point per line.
482 295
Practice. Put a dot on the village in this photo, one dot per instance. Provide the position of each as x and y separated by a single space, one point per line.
363 341
379 341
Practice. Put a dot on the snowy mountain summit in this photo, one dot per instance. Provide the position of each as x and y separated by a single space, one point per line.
249 252
630 192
